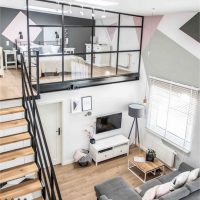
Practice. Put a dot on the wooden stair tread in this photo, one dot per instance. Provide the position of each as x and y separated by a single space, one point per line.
12 110
12 155
13 124
14 138
39 198
17 172
21 189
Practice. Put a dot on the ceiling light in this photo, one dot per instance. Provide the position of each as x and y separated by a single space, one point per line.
104 15
99 2
37 8
93 14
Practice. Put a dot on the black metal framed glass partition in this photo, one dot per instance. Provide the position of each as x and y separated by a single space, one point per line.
81 46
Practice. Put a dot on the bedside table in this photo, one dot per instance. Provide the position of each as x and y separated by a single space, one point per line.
10 57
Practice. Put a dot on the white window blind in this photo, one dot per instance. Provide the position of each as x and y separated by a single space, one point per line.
172 112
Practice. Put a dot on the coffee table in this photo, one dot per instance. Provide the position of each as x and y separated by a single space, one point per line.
147 168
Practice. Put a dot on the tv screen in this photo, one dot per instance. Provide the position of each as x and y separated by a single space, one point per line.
108 123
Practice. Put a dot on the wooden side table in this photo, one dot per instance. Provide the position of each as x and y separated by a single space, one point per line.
13 56
146 168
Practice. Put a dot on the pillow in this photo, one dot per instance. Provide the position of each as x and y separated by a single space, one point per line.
104 198
54 49
46 49
180 180
193 175
157 191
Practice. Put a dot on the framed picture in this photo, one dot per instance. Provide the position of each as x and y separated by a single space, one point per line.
76 105
86 103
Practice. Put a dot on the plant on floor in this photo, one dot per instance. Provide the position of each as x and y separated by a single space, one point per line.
150 155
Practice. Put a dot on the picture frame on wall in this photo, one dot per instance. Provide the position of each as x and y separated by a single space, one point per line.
86 103
76 105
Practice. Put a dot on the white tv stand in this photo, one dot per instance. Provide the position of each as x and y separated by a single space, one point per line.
108 148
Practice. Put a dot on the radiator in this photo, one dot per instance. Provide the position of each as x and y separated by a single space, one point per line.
164 153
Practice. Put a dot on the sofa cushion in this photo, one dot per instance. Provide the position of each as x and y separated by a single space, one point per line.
116 189
184 167
194 185
146 186
176 194
168 177
193 196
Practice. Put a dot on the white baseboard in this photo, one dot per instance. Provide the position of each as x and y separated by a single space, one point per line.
67 162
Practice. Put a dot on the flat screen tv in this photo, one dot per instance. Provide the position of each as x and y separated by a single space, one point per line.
108 123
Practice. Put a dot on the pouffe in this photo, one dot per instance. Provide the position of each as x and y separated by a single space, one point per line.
116 189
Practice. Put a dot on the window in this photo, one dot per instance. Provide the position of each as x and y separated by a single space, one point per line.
172 112
85 46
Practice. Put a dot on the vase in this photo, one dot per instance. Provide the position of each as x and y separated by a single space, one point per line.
92 141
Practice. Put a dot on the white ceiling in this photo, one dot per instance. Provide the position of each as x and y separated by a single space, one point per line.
141 7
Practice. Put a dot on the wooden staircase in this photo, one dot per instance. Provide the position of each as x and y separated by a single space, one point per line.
21 167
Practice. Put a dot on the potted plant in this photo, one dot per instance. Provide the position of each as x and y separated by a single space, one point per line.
150 155
90 134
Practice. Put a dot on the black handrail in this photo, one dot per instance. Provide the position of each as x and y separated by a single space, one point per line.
43 160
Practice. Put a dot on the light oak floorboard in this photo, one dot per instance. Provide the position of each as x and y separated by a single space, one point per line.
77 183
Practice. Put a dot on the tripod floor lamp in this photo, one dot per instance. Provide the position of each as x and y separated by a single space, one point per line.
136 111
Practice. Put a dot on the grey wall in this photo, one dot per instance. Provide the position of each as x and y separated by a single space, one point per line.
78 38
169 61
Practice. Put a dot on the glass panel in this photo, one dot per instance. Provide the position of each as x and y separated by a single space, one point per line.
129 39
103 18
76 40
42 13
50 68
127 20
104 64
128 63
76 67
105 39
48 42
77 16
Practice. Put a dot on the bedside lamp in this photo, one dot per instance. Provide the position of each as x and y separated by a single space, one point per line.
136 111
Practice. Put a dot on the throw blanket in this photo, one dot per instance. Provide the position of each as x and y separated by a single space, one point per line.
157 191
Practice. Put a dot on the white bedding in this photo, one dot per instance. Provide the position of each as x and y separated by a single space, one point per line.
54 63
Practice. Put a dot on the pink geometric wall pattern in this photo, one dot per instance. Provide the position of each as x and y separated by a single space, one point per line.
19 24
150 26
138 22
111 31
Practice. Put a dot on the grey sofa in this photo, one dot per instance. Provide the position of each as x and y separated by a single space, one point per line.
118 189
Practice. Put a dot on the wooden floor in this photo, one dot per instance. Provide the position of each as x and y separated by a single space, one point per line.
11 88
10 84
78 183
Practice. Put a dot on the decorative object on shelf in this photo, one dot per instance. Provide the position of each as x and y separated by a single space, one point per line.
76 105
90 133
150 155
136 111
86 103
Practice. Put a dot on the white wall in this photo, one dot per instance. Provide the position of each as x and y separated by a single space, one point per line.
106 99
148 138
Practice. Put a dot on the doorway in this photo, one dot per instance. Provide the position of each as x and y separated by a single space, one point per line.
51 117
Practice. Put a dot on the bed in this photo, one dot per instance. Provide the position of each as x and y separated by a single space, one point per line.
54 64
50 58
